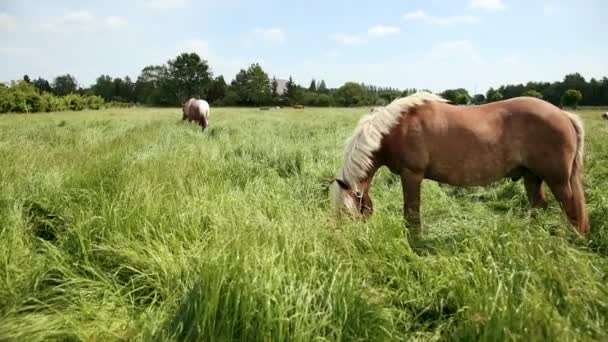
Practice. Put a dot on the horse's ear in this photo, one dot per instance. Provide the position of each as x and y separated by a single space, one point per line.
342 184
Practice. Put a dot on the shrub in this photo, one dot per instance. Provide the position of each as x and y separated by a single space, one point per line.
381 102
231 99
6 100
533 93
19 102
35 103
94 102
74 102
571 98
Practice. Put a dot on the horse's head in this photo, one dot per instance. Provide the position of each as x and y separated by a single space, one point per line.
351 199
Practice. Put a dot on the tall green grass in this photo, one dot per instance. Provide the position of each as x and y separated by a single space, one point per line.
128 224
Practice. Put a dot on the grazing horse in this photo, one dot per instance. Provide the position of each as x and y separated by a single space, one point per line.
196 110
423 137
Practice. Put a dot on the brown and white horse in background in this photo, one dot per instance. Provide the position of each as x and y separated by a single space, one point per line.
423 137
196 110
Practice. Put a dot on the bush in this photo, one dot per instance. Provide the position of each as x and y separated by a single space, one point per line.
74 102
533 93
571 98
231 99
35 103
6 100
19 102
94 102
315 99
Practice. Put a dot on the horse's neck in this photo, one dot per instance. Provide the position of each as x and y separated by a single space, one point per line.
364 182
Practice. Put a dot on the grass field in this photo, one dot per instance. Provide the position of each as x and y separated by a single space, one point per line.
127 224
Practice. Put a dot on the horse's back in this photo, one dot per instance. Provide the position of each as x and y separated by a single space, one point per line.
475 144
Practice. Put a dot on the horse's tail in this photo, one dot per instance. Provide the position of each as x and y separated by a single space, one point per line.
576 175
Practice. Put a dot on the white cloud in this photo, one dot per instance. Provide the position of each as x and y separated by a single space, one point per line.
456 19
415 15
489 5
272 35
374 32
167 4
114 22
349 39
83 20
7 22
420 15
459 49
382 31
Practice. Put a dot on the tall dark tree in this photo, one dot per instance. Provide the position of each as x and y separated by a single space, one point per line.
238 87
274 86
104 87
151 84
322 88
259 89
313 86
290 89
217 89
42 85
64 84
26 78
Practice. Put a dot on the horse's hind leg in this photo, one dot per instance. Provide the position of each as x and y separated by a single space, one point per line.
534 190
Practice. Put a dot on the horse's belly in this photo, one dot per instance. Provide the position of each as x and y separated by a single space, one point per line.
470 172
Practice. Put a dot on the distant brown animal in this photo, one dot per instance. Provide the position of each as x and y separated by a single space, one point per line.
605 116
423 137
197 111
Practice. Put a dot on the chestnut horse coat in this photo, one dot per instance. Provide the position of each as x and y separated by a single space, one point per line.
423 137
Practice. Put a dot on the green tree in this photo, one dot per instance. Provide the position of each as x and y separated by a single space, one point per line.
571 98
533 93
217 90
493 95
274 85
290 90
189 75
313 86
457 96
153 87
351 94
322 88
42 85
238 88
478 99
104 87
259 90
64 84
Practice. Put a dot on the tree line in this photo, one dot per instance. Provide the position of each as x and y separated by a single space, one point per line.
573 90
188 75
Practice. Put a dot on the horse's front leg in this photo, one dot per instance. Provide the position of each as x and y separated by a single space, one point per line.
411 183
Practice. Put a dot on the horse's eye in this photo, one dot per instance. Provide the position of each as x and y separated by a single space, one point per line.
358 194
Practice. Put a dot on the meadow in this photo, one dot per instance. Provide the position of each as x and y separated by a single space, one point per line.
129 224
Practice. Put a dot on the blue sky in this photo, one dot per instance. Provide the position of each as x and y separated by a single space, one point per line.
434 44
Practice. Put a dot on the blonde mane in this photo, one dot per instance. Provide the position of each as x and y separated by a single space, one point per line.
367 137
